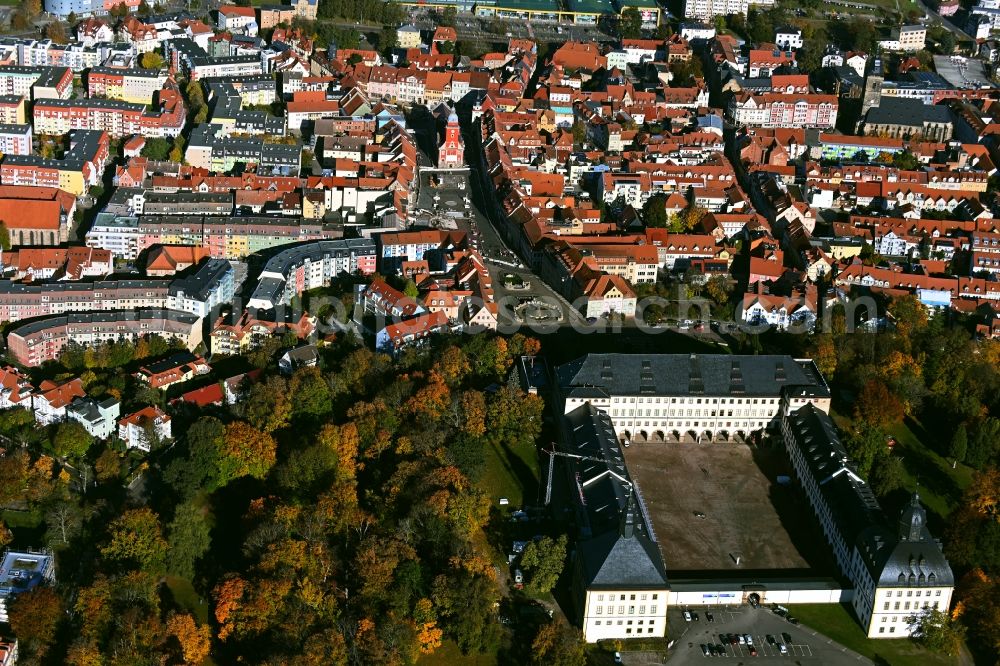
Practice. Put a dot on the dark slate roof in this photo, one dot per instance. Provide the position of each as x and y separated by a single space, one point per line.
612 561
907 112
173 361
616 548
852 504
596 375
905 556
204 281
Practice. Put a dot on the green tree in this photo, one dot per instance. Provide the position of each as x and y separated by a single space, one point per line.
959 444
983 443
71 440
388 40
448 17
189 538
4 236
410 289
864 445
136 540
905 160
938 632
156 148
542 562
311 393
579 132
946 40
630 23
887 474
654 212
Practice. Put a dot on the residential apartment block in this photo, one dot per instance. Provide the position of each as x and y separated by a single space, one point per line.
80 168
248 332
298 269
117 118
42 340
224 237
139 86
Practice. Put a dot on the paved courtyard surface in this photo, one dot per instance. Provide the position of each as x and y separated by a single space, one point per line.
711 504
805 646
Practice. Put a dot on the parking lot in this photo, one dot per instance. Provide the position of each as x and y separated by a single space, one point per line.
801 644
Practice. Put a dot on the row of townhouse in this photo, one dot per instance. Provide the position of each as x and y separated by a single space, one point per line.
231 238
925 287
56 263
413 85
77 57
44 339
115 117
210 286
783 110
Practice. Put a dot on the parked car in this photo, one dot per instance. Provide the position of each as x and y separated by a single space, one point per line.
709 616
753 651
687 616
618 657
742 639
694 616
787 636
782 649
749 639
770 639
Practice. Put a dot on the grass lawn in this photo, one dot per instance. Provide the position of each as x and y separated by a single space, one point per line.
837 621
187 598
449 655
940 486
510 473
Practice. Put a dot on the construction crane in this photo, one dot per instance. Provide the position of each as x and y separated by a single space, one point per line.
552 463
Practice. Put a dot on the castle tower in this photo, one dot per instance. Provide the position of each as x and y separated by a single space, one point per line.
452 150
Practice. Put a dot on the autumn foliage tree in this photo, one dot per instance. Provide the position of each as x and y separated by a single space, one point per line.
195 640
246 451
35 616
877 406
